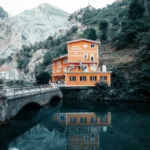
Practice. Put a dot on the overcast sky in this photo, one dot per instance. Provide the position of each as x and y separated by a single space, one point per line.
17 6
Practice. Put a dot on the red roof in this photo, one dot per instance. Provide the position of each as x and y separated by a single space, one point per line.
5 69
91 41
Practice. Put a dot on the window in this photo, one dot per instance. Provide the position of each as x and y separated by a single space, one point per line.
93 120
58 62
85 46
65 61
82 78
61 116
85 56
92 137
93 78
72 78
103 78
72 120
92 45
85 138
83 120
59 70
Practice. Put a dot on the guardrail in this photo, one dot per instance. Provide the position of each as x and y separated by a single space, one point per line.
25 91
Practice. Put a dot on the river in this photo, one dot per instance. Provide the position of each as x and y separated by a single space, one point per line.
111 127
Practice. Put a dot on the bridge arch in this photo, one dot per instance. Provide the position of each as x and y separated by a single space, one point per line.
21 106
40 99
55 100
28 111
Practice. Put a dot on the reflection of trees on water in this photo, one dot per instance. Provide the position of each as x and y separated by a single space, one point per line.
40 138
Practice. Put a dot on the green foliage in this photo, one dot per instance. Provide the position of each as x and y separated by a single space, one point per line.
135 24
2 61
5 60
90 33
74 29
22 63
43 78
39 69
140 76
24 57
116 92
87 14
103 27
47 58
136 10
49 42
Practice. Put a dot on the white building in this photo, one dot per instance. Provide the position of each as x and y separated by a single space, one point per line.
9 74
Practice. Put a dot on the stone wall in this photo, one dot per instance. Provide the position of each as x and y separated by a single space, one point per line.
11 106
3 105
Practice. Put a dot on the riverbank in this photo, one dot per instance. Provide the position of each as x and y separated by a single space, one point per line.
90 98
106 105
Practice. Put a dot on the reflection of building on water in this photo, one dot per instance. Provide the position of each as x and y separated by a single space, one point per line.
83 129
65 131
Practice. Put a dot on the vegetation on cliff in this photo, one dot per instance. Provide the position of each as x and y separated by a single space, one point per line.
130 80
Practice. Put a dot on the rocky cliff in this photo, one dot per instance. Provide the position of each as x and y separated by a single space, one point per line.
30 26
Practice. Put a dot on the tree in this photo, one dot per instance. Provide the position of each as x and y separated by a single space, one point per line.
43 78
103 27
74 29
136 10
90 33
49 42
47 58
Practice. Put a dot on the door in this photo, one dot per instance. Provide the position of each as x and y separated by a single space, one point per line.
92 58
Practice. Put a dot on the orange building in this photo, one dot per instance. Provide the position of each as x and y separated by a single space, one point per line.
83 129
80 67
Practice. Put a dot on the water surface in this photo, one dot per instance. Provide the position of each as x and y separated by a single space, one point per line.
123 127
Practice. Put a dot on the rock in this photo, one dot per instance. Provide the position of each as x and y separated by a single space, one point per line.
31 26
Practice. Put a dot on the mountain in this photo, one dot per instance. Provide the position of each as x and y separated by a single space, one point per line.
30 26
3 13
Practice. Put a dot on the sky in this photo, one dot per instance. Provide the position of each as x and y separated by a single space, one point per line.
17 6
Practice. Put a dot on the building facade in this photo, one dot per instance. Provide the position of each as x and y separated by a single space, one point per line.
80 67
9 74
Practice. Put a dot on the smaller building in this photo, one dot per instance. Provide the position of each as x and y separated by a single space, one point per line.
9 74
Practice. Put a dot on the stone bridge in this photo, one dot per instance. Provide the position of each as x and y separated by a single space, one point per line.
13 101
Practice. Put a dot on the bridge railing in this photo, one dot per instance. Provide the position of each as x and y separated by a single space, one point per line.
24 91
